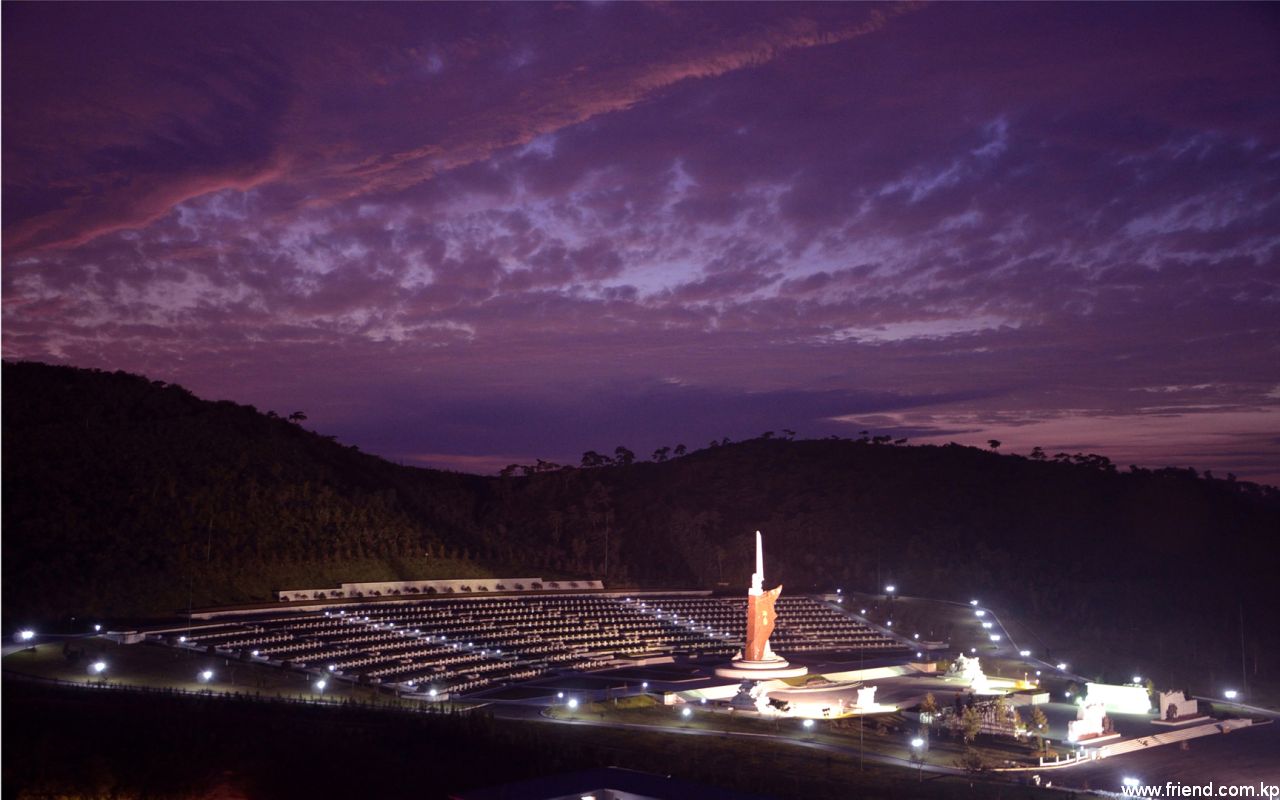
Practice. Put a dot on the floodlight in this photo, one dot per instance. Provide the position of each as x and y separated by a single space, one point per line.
206 675
254 653
917 742
919 655
890 589
917 636
808 723
26 635
889 623
97 627
320 684
704 701
862 611
995 637
986 624
333 667
98 667
1131 782
1062 665
686 712
644 685
839 591
979 613
1230 694
560 695
1024 654
1137 679
973 602
431 693
181 639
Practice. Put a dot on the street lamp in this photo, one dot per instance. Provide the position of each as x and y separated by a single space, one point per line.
1230 694
98 667
890 589
26 635
206 675
973 602
917 755
320 684
573 703
686 712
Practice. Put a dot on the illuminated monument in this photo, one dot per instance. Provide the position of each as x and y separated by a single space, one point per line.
757 661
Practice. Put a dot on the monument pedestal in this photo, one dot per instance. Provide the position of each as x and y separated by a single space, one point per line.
766 670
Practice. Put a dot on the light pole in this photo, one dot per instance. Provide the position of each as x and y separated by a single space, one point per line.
917 755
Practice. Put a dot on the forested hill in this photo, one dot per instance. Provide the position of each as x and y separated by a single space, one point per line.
122 495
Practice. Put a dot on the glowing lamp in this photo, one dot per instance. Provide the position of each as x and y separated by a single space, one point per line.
206 675
808 724
98 667
1230 694
686 712
917 742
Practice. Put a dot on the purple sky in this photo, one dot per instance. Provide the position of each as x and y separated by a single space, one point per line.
463 235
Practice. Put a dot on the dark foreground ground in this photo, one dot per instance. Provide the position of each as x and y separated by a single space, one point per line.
79 742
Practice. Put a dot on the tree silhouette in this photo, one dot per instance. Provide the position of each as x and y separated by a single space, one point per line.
623 456
297 416
681 449
660 454
994 444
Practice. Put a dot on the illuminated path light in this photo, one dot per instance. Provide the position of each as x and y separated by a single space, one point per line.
686 712
206 675
1230 694
98 667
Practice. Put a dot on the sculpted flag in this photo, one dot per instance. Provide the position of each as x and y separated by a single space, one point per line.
760 619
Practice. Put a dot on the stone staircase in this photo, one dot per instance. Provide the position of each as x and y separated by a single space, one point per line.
1170 737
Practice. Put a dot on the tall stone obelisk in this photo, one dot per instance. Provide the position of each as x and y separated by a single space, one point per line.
760 613
757 660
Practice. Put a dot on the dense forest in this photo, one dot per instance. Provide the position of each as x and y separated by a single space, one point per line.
123 496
